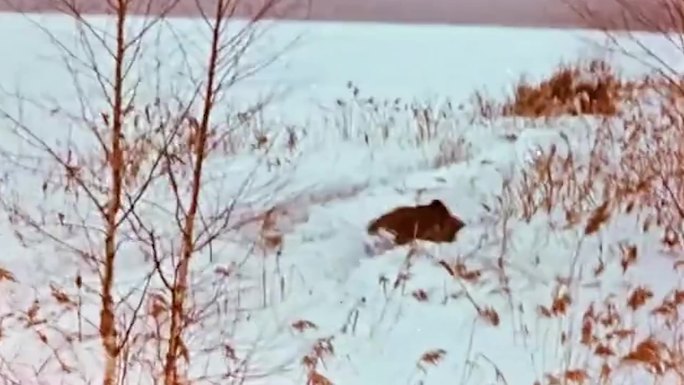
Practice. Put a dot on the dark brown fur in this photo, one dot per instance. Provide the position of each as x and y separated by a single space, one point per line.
432 222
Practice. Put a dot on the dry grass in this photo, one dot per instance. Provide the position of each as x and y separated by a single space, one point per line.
583 88
634 164
378 122
631 165
580 89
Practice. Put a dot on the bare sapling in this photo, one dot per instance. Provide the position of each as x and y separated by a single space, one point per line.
93 172
199 209
127 193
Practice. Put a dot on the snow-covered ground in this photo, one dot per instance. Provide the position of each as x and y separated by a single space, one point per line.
387 317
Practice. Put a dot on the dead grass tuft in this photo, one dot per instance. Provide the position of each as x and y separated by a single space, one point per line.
598 218
6 275
639 297
581 89
303 325
631 165
321 349
430 358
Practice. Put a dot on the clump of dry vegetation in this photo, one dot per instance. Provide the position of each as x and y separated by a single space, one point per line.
377 121
631 165
634 164
579 89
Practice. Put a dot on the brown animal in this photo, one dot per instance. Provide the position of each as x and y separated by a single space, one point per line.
432 222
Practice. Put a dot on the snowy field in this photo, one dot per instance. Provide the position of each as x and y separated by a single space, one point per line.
302 295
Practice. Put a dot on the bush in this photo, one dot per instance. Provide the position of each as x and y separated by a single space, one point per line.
591 89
